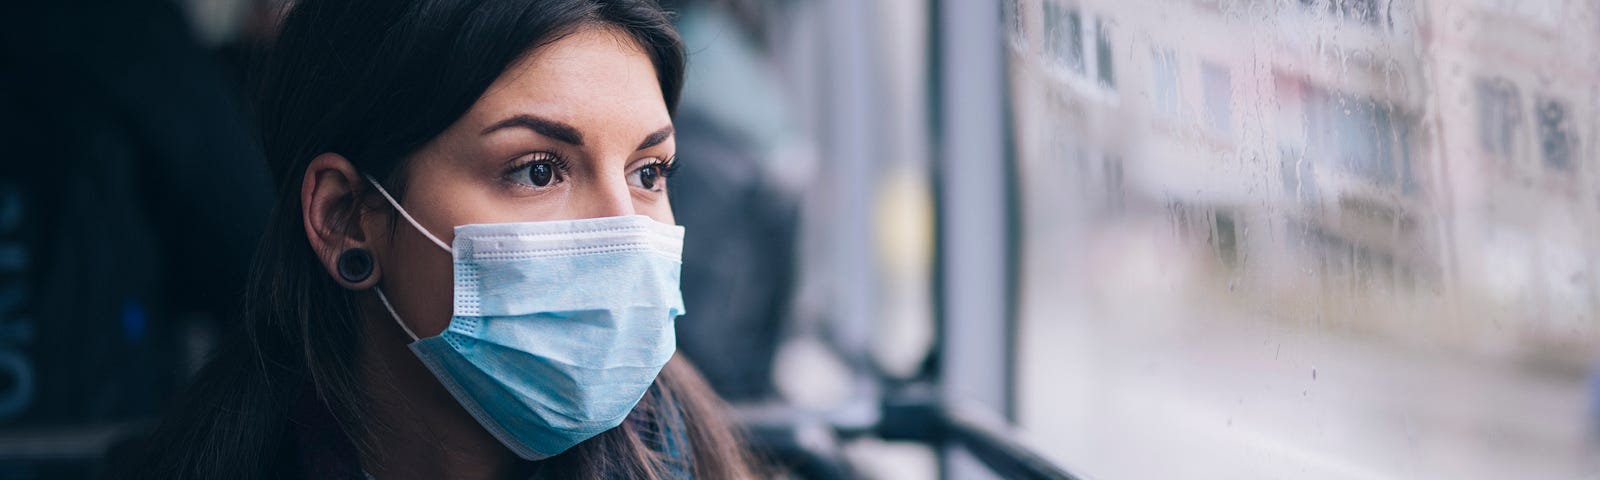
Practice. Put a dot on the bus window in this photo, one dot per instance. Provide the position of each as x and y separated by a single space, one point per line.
1307 239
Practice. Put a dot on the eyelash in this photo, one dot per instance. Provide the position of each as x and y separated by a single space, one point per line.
668 166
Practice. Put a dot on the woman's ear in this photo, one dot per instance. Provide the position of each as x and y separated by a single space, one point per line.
330 204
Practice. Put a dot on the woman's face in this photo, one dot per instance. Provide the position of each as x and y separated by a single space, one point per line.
577 129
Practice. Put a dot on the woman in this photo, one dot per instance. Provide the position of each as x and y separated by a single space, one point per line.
471 271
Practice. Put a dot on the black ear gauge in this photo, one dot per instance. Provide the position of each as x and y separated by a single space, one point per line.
355 265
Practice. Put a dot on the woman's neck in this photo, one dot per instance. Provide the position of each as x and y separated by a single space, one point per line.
420 431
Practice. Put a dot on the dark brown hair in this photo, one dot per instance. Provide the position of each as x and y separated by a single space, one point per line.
374 80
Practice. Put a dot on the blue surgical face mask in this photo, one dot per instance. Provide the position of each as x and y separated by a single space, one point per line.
559 328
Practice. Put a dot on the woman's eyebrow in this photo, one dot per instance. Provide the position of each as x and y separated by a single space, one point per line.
543 126
656 138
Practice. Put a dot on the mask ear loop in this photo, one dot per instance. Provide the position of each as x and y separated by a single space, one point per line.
407 216
436 241
392 313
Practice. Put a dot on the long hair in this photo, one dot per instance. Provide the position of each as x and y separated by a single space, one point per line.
374 80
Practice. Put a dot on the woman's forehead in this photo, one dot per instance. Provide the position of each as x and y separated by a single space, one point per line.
594 79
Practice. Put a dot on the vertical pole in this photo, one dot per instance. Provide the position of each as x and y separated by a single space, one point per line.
973 226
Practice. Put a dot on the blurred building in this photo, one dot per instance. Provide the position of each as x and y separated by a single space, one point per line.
1379 154
1515 87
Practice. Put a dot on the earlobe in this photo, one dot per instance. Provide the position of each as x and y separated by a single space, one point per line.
330 206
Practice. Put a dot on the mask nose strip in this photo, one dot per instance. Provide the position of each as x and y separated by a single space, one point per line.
407 216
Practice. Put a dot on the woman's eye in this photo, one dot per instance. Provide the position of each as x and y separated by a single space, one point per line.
538 173
650 177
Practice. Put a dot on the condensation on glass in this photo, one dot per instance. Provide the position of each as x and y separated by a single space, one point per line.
1309 238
